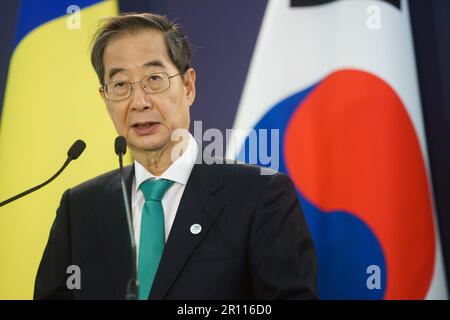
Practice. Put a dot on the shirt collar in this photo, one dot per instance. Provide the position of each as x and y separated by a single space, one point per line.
179 171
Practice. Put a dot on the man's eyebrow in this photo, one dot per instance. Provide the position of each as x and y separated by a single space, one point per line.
113 71
154 63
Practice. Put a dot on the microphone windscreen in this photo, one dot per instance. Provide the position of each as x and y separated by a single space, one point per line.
76 149
120 145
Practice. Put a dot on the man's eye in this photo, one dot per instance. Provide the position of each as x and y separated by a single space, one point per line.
119 84
155 78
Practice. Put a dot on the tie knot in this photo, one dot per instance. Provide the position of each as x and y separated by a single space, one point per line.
155 189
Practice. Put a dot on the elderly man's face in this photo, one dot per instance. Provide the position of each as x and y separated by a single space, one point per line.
147 119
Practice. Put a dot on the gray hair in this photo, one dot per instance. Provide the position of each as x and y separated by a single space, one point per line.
177 46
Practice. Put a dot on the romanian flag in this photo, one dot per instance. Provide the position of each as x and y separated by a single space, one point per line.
51 99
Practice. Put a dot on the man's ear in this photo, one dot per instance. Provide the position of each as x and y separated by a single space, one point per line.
189 83
102 94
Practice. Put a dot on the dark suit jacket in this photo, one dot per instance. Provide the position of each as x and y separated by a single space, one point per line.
254 242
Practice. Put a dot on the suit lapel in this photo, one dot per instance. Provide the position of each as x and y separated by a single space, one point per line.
113 231
197 206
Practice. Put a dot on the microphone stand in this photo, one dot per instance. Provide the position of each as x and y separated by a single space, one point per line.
133 283
74 152
20 195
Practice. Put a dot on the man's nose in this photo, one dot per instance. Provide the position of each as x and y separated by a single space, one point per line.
139 98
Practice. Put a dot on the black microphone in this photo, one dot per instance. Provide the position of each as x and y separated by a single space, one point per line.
74 152
120 146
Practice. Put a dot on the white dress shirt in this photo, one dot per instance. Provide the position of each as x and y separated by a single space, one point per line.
178 172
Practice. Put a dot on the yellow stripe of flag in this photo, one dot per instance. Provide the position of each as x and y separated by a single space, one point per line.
51 100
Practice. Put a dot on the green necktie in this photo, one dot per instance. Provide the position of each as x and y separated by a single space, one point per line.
152 239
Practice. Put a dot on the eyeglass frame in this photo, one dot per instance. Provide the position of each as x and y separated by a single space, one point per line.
102 88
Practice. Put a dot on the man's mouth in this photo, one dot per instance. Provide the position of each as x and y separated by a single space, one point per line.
146 124
145 128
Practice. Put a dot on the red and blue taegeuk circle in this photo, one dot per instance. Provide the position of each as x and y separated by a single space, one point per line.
353 154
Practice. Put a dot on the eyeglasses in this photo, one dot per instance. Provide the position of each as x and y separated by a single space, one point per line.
153 83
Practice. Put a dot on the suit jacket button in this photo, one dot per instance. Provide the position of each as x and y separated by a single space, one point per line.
196 228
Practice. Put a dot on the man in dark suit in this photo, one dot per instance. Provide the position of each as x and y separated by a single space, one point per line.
203 230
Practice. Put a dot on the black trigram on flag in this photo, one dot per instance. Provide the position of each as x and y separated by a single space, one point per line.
306 3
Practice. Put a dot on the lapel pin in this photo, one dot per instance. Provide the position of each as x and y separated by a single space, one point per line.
196 228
